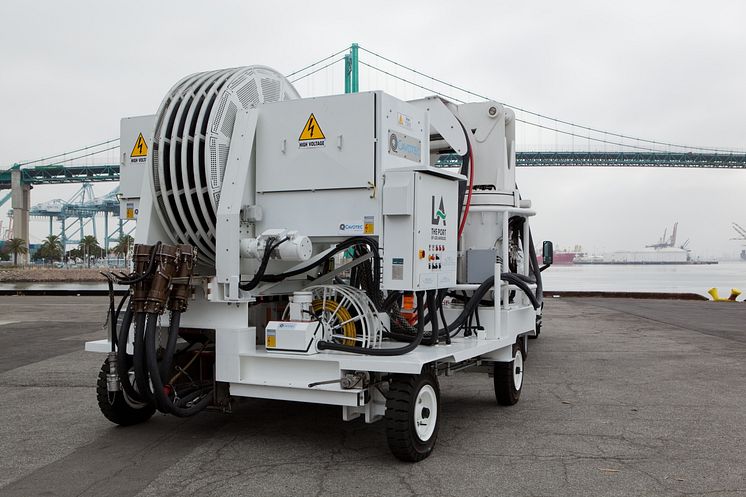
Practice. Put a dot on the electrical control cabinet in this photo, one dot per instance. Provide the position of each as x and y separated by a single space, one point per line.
135 139
320 161
420 217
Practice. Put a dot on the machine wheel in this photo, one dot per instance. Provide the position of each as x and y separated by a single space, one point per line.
508 378
412 416
116 407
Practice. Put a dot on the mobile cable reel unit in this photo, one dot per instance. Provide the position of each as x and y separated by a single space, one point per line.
342 250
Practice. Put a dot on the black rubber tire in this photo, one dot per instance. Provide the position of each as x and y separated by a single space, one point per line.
538 332
402 436
114 406
506 393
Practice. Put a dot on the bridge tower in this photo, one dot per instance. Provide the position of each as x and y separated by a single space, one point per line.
21 203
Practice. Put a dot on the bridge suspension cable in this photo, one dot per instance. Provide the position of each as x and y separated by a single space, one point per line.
317 69
44 159
113 140
539 115
564 132
317 63
85 155
333 59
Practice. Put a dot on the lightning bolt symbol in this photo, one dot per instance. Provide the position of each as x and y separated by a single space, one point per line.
310 127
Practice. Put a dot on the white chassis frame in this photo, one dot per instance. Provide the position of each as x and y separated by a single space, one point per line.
251 371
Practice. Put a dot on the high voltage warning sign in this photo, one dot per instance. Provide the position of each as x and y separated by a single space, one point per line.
140 150
311 136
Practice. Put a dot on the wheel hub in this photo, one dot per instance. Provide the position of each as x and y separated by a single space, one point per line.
425 413
518 370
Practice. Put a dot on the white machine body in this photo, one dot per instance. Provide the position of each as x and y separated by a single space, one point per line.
318 171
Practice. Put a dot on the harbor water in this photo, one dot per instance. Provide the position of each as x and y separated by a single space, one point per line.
647 278
560 278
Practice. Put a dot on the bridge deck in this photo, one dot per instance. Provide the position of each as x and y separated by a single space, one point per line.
55 174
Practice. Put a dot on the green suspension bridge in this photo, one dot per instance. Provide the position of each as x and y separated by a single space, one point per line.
575 145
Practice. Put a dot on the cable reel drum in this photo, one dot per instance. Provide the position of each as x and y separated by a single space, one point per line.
191 141
345 314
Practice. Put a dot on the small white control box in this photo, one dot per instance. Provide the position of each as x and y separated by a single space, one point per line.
293 337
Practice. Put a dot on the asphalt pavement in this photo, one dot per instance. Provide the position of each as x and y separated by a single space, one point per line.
621 398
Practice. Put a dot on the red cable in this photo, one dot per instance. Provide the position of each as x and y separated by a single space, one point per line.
468 196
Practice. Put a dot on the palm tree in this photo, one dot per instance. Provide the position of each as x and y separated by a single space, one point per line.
16 246
52 246
126 242
89 245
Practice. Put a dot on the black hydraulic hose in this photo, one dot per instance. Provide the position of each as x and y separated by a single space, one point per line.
535 269
465 298
124 360
445 323
471 304
119 308
469 307
340 247
112 313
523 286
138 359
163 401
476 298
173 336
433 317
522 277
323 345
269 247
390 300
400 337
439 312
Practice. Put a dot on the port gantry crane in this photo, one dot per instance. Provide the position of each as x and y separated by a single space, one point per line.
741 237
666 242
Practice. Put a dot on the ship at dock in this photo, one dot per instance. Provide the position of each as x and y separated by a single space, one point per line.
565 257
663 252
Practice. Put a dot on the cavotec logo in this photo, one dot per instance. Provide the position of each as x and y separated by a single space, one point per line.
439 213
351 227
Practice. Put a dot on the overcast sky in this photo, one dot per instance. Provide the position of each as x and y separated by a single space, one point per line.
666 70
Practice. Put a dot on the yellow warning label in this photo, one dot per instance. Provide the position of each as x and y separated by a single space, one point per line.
312 130
141 148
271 341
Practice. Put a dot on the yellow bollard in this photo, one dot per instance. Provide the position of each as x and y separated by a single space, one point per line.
734 293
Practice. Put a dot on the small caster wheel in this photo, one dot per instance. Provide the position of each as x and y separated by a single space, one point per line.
508 378
116 407
412 416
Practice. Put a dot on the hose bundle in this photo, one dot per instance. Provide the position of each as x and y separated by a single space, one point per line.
153 291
